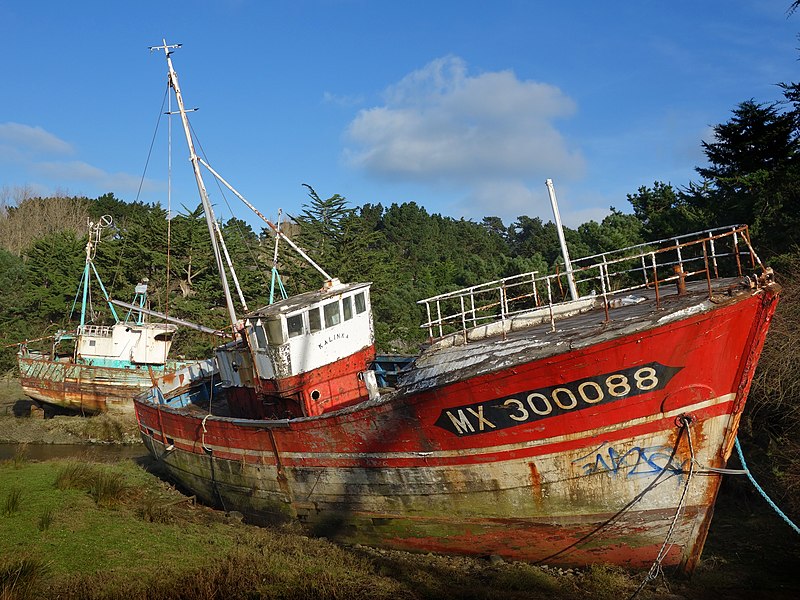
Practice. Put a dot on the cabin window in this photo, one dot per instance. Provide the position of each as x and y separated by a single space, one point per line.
275 332
295 325
332 314
261 338
347 307
361 302
314 322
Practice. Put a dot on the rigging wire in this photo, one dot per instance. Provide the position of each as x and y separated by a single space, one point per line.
141 181
236 224
276 277
656 569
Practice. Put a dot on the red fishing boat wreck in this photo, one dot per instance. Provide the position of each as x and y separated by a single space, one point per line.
592 429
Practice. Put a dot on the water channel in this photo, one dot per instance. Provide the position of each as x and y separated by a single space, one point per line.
94 452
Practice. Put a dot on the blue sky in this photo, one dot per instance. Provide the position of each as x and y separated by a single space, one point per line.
464 107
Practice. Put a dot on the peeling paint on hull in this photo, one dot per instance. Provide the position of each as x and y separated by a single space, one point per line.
82 387
567 453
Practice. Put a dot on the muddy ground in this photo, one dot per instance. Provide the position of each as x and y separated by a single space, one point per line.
750 552
22 421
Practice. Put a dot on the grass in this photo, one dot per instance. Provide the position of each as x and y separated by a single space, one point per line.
46 519
108 487
104 484
12 502
110 428
90 530
20 455
21 578
114 531
75 475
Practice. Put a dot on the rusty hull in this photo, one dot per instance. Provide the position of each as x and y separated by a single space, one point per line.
568 448
83 387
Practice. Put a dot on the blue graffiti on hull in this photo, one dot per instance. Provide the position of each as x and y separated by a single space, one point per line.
633 463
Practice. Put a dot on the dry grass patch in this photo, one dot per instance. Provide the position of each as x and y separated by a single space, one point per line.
22 578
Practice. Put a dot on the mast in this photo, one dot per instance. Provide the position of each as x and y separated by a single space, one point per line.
86 272
567 264
89 268
201 188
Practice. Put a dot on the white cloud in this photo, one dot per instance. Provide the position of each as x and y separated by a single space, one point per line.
89 175
36 156
342 101
34 139
510 199
491 136
505 198
441 124
576 218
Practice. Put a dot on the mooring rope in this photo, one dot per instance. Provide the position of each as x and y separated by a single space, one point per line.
656 481
210 452
657 569
203 436
761 490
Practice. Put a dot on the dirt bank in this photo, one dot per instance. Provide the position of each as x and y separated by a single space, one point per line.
21 421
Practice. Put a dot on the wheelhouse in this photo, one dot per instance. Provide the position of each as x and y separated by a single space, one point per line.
315 347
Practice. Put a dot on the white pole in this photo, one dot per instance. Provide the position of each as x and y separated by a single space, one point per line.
209 212
573 292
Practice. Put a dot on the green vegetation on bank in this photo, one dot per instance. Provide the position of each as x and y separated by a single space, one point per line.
84 530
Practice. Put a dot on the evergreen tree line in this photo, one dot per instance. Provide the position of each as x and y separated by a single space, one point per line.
752 176
406 252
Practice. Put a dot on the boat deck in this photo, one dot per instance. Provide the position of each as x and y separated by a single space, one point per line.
525 338
447 360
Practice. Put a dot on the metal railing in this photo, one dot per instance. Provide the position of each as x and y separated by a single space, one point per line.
711 254
95 330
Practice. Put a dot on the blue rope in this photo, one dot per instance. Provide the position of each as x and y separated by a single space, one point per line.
763 493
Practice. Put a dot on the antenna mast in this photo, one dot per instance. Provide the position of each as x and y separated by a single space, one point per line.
209 212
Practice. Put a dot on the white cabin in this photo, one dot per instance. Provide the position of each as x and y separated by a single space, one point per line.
311 330
313 348
144 344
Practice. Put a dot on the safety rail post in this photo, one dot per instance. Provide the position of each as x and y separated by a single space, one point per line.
472 307
736 252
746 236
439 316
430 322
535 293
644 271
713 255
655 278
463 319
550 305
603 274
503 306
708 271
